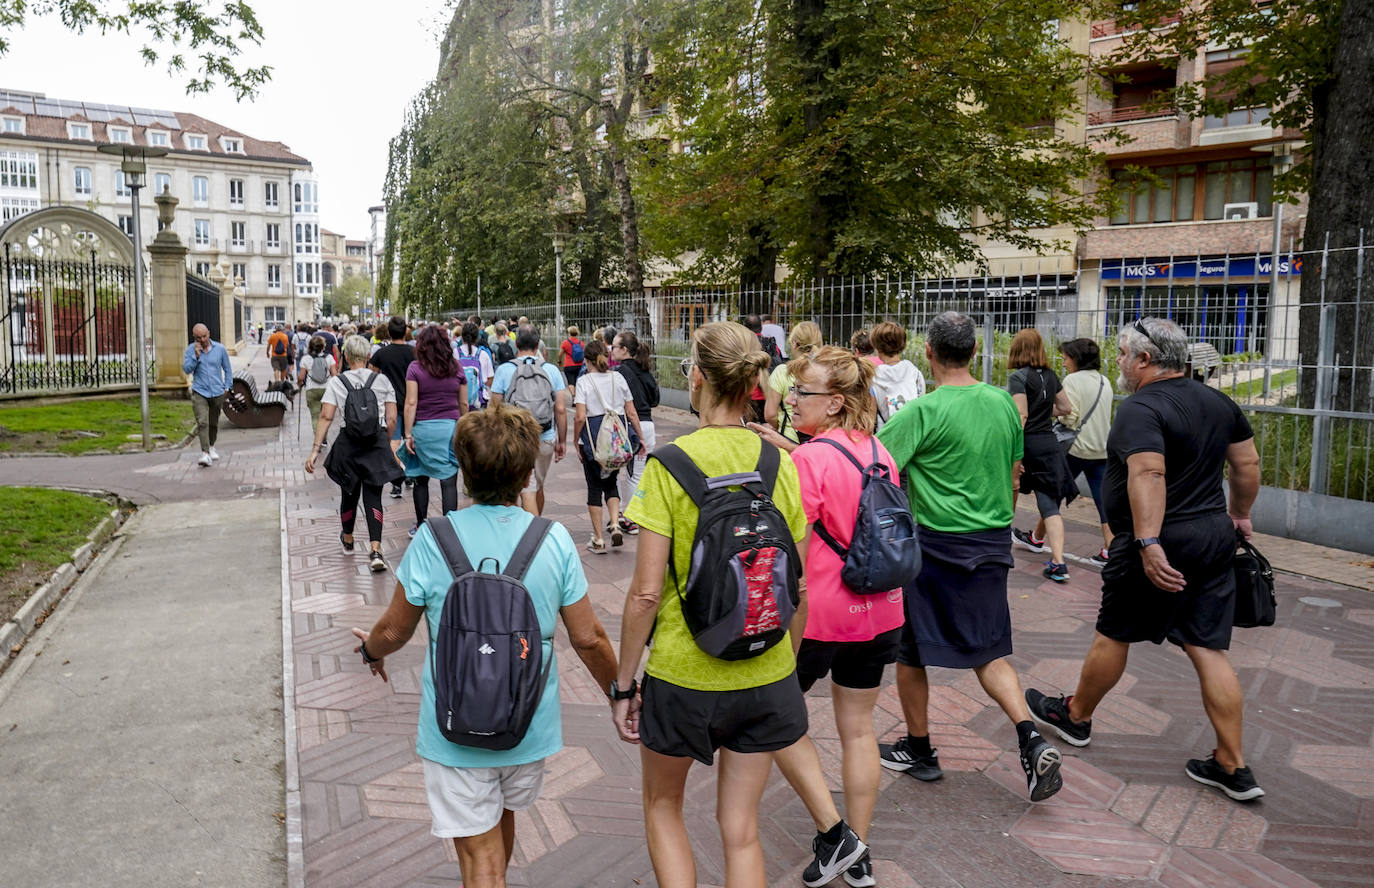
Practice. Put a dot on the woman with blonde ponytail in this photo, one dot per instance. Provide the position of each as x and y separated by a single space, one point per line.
692 703
804 340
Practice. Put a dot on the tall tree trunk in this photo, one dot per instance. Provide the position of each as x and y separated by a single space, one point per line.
592 255
615 113
1342 205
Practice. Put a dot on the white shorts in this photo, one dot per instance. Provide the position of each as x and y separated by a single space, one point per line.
541 468
469 801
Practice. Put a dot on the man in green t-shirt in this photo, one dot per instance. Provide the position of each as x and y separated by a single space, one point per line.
960 447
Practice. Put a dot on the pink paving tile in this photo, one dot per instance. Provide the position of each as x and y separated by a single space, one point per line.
1199 868
568 770
1245 832
316 726
342 690
1088 841
1060 676
1350 768
1121 714
399 795
1203 826
1169 810
1085 786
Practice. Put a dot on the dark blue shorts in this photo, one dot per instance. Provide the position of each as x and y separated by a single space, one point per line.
957 613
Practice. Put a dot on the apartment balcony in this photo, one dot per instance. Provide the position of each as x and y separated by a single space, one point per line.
243 246
274 248
1149 131
1179 238
1104 29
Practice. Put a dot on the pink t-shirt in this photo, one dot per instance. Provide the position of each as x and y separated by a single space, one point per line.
830 488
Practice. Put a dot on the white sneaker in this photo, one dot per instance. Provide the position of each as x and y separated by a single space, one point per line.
205 460
214 455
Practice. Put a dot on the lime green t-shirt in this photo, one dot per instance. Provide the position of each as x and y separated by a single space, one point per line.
780 380
662 506
957 445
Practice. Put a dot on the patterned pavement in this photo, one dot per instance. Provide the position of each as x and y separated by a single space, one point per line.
1126 812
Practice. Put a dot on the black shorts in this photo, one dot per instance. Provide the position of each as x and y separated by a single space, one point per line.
570 373
1134 609
850 664
681 722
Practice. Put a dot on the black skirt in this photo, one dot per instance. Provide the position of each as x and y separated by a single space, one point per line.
1045 467
352 461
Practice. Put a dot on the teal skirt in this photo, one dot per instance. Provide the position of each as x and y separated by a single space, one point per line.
433 456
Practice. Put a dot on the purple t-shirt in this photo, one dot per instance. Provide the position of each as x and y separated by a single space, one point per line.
438 397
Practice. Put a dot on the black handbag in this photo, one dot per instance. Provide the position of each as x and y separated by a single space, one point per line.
1255 602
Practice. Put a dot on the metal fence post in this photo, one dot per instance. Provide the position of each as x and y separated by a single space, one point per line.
987 348
1321 423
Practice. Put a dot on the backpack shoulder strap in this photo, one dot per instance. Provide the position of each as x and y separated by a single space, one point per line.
371 379
449 545
348 386
847 455
527 548
770 460
684 471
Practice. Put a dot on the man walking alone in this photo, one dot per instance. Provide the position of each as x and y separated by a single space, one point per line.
1168 572
211 376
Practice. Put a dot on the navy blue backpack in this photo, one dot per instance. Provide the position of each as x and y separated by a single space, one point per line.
884 551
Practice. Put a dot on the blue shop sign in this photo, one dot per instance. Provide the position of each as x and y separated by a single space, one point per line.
1206 268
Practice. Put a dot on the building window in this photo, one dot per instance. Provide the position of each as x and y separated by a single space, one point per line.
120 134
240 272
82 180
159 138
1237 117
202 232
19 169
79 131
274 314
307 197
236 193
14 125
203 269
1193 191
300 272
162 182
269 195
10 207
194 143
126 225
200 190
273 277
237 234
122 188
274 235
232 146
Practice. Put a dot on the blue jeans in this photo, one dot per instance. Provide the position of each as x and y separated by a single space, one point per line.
1094 470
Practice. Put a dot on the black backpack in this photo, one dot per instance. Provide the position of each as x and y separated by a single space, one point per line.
742 587
361 412
504 352
884 552
487 659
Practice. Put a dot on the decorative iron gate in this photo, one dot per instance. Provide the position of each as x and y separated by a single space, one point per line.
66 304
202 306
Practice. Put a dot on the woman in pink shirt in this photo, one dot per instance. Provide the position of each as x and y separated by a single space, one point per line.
849 636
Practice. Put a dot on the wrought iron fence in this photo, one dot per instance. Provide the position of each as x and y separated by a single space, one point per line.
202 306
66 324
238 319
1303 369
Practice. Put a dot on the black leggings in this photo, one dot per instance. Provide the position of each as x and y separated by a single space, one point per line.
372 510
448 495
599 488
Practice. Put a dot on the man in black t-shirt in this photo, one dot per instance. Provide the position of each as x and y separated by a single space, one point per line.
1169 574
392 360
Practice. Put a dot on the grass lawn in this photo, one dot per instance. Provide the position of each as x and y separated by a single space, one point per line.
88 425
40 529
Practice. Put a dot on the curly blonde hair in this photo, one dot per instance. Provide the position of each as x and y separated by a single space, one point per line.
730 358
846 374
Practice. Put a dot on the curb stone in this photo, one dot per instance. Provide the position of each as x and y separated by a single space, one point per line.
15 632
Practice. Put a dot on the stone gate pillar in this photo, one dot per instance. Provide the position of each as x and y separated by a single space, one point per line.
168 289
229 287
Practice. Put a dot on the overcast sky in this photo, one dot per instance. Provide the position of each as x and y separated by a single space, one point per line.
343 74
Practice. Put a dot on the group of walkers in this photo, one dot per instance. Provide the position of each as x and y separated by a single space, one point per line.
732 616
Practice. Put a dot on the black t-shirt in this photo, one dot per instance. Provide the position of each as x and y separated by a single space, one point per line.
1040 386
1192 425
392 360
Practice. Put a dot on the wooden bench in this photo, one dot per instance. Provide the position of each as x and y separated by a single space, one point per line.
1203 360
248 407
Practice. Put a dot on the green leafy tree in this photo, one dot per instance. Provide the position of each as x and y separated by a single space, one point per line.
187 36
351 291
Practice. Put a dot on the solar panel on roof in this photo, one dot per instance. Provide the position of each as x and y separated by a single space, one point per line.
100 113
69 109
143 117
46 108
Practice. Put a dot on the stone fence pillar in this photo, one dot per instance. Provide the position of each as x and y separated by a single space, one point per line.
228 289
169 298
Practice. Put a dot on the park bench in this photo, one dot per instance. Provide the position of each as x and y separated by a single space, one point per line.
248 407
1203 359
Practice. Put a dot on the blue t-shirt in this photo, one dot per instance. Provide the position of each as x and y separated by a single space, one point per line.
506 373
554 580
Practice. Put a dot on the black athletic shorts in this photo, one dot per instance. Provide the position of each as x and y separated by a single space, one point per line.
679 721
1134 609
851 664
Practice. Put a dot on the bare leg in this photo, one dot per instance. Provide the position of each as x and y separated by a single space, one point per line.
1221 697
739 786
801 767
595 513
483 858
1106 536
913 689
1054 536
530 503
1102 669
1000 682
854 719
670 850
508 833
1039 532
613 510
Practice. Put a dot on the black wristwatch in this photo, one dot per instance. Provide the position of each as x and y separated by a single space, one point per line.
615 693
362 649
1147 542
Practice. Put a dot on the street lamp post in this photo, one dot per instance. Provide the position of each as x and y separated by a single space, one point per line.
560 240
1283 159
134 166
373 212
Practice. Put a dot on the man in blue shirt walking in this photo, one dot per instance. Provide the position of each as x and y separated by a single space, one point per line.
211 376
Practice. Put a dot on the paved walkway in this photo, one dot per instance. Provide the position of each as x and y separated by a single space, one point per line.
1127 811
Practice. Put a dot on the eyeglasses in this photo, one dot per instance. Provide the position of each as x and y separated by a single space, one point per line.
685 367
1140 328
799 392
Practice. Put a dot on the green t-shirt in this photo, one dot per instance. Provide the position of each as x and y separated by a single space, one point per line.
957 445
662 506
780 380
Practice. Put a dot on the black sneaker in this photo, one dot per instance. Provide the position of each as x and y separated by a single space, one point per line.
1041 762
832 858
1057 572
347 544
900 756
1239 785
1023 539
1098 560
375 562
396 491
1053 712
860 875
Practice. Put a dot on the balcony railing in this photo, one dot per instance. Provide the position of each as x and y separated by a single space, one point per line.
1129 114
1112 28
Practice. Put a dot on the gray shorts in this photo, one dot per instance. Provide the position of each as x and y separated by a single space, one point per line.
467 802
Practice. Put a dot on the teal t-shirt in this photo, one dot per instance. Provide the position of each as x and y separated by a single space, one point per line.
554 580
957 445
506 373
